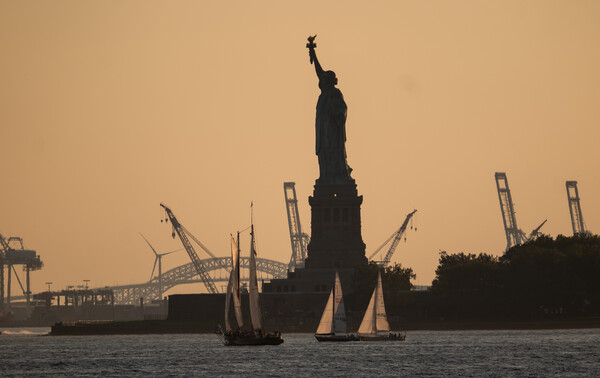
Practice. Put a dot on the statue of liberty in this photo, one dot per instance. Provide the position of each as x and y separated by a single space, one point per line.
330 125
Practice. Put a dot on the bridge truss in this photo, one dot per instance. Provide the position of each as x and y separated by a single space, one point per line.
187 274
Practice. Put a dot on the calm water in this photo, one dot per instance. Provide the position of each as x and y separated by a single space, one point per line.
431 353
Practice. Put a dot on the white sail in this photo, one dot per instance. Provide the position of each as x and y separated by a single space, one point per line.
375 319
237 300
339 312
228 301
367 326
382 324
255 313
326 324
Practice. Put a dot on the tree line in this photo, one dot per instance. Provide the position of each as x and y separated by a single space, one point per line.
542 278
545 278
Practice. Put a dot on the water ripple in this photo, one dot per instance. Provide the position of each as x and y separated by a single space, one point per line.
425 353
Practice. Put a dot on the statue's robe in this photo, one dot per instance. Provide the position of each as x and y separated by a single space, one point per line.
331 135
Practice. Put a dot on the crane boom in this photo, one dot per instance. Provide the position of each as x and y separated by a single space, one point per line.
397 236
3 247
188 233
536 231
177 227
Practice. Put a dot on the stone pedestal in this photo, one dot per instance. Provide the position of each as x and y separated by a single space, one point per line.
336 239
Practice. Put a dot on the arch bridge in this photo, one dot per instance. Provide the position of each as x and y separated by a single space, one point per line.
187 274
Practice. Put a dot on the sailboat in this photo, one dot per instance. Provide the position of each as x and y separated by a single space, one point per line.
375 326
257 336
333 326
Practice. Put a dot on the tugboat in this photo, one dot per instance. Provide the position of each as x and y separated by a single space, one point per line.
239 337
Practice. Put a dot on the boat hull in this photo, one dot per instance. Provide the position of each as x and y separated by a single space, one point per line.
251 340
335 338
390 337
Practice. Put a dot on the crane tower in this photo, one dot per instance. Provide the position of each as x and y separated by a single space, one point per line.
514 236
575 209
298 239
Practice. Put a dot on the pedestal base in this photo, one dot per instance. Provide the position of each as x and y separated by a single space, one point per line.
336 239
336 242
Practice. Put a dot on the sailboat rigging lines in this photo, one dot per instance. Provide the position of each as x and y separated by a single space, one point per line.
257 336
333 325
375 326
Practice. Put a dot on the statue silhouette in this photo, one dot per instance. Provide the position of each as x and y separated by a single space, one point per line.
330 125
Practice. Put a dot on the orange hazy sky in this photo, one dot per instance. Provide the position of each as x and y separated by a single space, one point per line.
108 108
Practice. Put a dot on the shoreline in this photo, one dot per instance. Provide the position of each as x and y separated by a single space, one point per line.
503 325
169 327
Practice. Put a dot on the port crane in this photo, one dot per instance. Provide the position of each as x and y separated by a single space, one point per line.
514 235
298 239
13 252
575 209
183 236
396 236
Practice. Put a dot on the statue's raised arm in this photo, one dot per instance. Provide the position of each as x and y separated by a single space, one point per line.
313 56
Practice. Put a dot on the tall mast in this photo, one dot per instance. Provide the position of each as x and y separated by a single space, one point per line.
253 297
376 297
237 300
237 264
333 306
